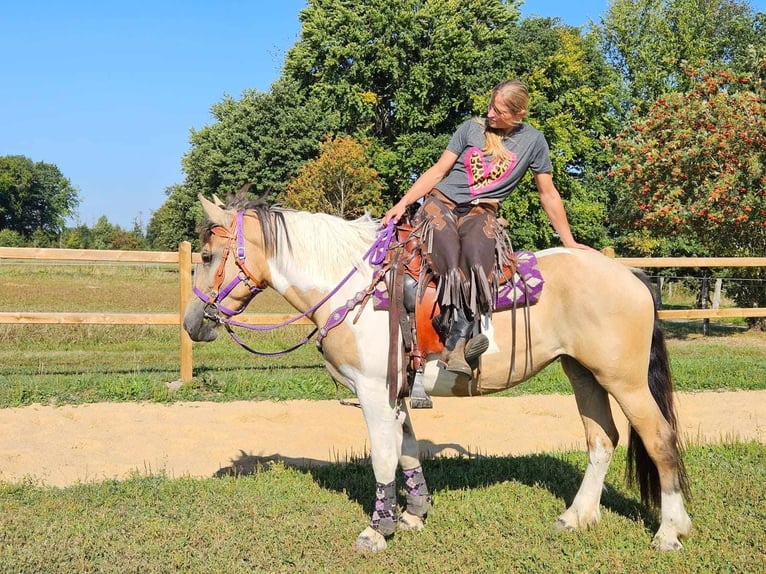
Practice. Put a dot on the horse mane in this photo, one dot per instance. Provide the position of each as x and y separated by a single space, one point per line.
324 246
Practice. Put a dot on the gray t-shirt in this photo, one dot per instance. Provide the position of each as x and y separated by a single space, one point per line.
474 176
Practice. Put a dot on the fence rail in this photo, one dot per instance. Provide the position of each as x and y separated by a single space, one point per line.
185 259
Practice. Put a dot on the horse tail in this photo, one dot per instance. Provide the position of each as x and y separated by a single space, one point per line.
641 469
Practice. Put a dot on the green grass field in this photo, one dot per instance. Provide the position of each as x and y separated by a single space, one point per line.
489 515
92 363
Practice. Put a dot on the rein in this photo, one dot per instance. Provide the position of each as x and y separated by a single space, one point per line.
375 255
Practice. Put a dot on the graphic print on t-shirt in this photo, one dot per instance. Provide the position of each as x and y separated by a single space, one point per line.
483 175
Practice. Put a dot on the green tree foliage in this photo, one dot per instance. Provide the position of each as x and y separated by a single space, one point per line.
649 41
34 197
691 176
407 72
261 138
340 181
402 73
11 238
573 94
694 168
77 237
390 67
176 220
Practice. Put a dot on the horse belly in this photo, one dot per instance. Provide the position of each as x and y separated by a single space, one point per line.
495 365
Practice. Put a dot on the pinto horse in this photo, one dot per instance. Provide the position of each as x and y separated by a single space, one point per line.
595 315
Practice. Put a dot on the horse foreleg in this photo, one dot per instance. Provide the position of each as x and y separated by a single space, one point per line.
601 436
418 497
384 424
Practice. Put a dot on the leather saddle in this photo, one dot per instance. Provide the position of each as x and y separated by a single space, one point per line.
412 306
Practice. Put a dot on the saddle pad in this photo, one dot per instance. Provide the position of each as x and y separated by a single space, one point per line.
526 287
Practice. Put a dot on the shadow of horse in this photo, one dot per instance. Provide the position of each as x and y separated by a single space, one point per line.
462 471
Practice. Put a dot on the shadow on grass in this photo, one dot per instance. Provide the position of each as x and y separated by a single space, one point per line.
684 329
465 471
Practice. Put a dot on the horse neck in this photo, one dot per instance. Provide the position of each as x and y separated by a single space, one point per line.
304 289
321 251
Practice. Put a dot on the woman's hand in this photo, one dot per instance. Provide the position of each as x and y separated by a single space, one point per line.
394 214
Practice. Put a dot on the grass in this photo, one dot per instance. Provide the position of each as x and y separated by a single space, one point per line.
92 363
490 514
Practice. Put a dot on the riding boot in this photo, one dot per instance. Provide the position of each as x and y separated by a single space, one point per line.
455 342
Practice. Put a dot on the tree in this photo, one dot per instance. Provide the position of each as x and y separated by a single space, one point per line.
261 138
573 95
695 166
34 197
11 238
648 41
176 220
77 237
340 181
691 174
400 73
390 67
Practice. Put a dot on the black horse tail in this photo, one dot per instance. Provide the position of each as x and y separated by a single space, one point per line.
641 469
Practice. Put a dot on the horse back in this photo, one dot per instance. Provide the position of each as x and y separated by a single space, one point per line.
592 308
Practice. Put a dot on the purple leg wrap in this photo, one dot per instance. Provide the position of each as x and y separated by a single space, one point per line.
418 499
384 515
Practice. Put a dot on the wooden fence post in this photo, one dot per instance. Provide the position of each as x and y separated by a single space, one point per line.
185 288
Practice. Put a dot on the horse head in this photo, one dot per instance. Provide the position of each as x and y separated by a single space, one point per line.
234 268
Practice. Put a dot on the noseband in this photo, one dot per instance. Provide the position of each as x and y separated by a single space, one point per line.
236 244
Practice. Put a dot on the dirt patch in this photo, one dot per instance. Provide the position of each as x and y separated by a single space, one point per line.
59 446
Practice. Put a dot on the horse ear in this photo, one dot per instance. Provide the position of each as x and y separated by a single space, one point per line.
215 213
217 201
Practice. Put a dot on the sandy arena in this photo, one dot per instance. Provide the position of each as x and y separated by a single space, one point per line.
59 446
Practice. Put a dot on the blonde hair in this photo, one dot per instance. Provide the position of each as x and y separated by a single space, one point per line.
516 96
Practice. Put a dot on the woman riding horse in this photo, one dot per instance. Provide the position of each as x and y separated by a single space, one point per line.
595 315
463 243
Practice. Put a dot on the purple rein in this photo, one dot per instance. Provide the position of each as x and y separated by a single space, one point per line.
374 255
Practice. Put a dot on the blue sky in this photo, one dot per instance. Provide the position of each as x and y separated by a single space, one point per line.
108 91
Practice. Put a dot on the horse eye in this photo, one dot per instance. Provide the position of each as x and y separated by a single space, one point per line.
206 256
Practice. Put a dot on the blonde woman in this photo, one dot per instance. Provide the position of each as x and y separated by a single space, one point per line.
464 245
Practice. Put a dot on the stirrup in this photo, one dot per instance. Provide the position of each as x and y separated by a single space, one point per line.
419 399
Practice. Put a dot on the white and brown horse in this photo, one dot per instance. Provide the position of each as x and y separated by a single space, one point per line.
595 315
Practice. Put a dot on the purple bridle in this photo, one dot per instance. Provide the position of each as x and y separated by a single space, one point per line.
375 255
218 294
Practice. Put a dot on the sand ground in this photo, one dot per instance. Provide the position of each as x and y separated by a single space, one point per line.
59 446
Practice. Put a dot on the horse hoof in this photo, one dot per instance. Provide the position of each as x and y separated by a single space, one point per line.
563 526
370 541
410 523
666 539
661 544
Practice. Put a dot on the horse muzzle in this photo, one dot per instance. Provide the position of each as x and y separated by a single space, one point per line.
201 322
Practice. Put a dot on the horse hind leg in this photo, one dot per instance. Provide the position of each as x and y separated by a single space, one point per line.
655 460
601 436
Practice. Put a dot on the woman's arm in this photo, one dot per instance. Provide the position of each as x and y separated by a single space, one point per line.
422 185
550 199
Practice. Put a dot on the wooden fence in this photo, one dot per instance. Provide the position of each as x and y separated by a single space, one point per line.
185 259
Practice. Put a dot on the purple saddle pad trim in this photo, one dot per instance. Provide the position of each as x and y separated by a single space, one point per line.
526 288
